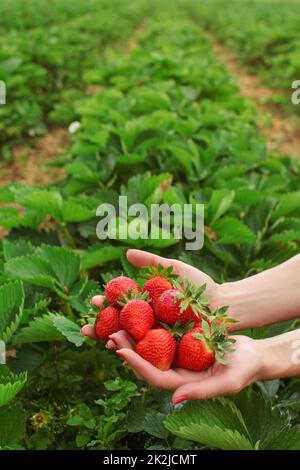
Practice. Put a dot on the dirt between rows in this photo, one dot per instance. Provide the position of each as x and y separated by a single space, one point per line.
282 132
27 166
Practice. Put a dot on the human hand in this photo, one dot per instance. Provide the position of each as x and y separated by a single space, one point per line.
141 258
244 367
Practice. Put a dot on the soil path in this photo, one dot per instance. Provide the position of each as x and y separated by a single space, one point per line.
27 166
282 134
28 162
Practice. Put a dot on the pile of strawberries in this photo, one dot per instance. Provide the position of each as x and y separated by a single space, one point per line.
169 319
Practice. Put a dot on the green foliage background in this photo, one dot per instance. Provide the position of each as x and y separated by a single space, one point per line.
166 125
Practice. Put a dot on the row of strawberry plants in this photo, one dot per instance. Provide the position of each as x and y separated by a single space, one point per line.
254 31
169 114
43 70
24 15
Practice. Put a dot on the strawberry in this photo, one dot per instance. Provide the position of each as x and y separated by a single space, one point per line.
156 286
184 303
117 287
170 308
193 353
157 347
199 348
107 322
137 318
159 280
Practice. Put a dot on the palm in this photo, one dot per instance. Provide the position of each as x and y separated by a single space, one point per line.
217 380
227 379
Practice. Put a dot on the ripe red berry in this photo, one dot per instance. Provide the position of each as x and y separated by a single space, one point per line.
194 353
107 322
137 318
158 347
155 287
169 310
117 287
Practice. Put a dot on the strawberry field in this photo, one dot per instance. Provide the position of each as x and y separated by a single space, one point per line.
156 117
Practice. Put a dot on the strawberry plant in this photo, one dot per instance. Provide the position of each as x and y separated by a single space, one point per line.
43 72
253 30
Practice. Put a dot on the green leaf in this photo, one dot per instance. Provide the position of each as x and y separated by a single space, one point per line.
40 329
269 388
99 255
65 263
288 203
215 423
31 268
74 212
69 329
12 426
44 202
16 249
11 308
231 231
136 415
219 203
154 425
49 266
269 427
10 385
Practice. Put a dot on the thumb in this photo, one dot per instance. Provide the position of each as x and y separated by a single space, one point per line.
140 258
210 387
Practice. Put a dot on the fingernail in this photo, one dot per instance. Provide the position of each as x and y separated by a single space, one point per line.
179 400
180 405
120 354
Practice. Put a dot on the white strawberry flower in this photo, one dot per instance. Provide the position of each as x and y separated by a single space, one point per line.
74 126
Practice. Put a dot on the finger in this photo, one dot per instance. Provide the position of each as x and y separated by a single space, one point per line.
111 345
123 340
140 258
138 376
89 331
98 300
211 387
168 380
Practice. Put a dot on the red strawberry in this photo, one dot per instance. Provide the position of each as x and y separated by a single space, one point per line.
155 287
193 353
137 318
117 287
107 322
169 310
159 280
158 347
199 348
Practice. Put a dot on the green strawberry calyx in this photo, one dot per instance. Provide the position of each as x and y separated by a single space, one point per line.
149 272
134 294
178 330
192 296
216 339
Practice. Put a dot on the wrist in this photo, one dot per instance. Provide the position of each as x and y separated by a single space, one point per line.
240 302
280 356
269 364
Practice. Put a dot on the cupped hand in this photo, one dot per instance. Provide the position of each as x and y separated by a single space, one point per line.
243 368
219 380
141 258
